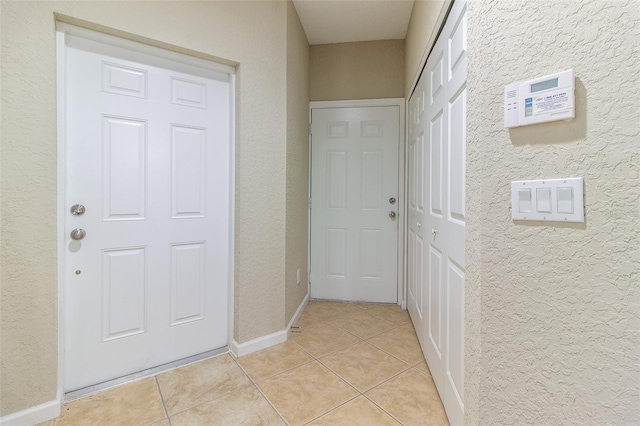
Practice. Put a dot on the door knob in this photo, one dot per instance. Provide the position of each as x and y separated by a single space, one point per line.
78 234
77 209
392 215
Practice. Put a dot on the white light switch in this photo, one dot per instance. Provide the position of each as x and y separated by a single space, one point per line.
565 200
543 200
548 200
524 200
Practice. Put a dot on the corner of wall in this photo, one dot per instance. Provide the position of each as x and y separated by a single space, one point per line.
297 158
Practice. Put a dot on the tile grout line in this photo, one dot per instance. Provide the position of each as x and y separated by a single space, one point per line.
391 378
389 353
279 372
409 366
317 359
262 393
166 413
373 387
217 397
395 326
383 410
333 409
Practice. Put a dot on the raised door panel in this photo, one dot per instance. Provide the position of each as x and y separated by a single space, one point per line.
124 142
419 178
457 155
435 301
412 174
123 80
188 171
124 283
455 330
371 253
188 93
336 253
188 282
435 167
371 180
336 180
419 276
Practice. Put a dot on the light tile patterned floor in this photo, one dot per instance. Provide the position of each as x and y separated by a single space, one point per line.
349 364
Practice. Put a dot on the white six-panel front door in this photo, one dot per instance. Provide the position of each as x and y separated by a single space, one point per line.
354 203
147 155
436 219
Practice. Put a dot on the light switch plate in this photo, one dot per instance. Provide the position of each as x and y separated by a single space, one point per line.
552 200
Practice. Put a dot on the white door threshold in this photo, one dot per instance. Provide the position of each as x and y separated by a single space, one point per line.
79 393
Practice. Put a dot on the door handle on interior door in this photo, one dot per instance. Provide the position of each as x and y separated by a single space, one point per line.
392 215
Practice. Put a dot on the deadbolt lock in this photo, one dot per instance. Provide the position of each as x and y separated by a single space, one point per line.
77 209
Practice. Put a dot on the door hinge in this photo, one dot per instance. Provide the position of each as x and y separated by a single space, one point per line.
309 203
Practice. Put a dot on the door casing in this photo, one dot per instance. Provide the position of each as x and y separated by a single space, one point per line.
62 29
401 104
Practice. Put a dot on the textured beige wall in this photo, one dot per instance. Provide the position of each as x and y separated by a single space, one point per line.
362 70
252 34
297 162
421 36
556 306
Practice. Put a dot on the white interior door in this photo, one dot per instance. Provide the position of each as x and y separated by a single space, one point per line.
354 203
436 233
148 156
416 225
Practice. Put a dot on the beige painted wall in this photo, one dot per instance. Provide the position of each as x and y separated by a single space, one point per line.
421 36
251 34
362 70
297 189
554 309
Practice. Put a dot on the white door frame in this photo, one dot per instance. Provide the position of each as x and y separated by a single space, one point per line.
400 103
62 29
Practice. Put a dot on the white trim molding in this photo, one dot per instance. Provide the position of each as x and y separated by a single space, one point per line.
34 415
258 344
264 342
358 103
296 316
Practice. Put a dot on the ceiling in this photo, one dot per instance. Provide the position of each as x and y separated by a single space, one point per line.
341 21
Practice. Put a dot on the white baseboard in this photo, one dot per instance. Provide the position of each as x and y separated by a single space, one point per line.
255 345
264 342
34 415
296 316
